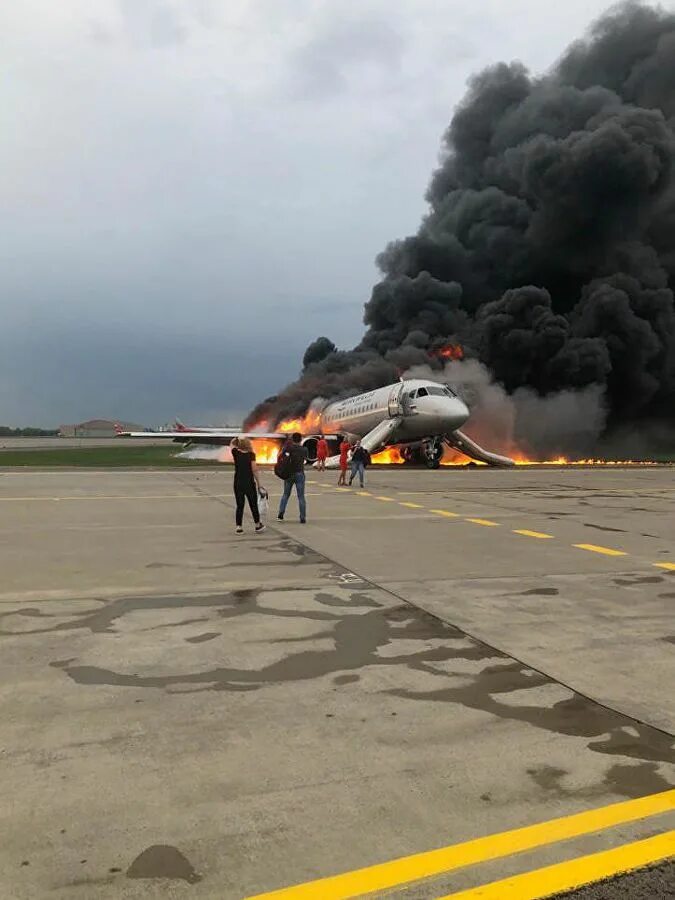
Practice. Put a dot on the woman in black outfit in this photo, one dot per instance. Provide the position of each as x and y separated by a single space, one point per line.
246 483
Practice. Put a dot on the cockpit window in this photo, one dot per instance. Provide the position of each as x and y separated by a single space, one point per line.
422 392
449 391
412 395
436 391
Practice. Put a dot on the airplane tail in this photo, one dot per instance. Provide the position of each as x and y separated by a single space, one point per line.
180 426
118 428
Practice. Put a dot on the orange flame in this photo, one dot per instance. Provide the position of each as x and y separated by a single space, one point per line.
388 457
308 424
266 451
450 351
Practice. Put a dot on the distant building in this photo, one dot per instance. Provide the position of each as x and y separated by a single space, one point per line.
96 428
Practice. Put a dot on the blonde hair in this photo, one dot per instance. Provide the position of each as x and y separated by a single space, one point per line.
245 444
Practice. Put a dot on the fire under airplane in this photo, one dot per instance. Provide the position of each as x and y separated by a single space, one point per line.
414 415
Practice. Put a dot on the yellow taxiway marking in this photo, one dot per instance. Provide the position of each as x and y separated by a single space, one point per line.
669 566
435 862
595 549
364 493
385 499
575 873
486 522
411 505
532 534
446 513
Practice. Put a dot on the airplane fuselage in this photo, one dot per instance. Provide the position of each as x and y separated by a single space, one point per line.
421 409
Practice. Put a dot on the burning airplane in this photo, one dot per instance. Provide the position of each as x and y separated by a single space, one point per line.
414 418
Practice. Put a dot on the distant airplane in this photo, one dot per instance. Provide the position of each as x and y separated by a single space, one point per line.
414 415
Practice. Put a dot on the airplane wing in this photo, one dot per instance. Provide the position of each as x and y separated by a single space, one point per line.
217 437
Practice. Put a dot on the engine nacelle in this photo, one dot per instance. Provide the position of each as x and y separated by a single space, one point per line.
310 443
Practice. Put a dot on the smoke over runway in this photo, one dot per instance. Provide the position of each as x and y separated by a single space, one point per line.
548 251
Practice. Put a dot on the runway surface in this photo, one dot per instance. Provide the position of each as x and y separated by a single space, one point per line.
447 680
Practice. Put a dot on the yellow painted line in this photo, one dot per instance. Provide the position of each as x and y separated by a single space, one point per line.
412 505
486 522
595 549
435 862
364 493
532 534
669 566
575 873
386 499
445 512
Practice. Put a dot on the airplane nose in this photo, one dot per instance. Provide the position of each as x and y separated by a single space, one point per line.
462 412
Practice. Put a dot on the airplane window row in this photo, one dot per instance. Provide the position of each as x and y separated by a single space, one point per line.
345 413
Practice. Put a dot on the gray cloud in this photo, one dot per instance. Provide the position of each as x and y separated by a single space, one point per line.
366 47
155 23
218 174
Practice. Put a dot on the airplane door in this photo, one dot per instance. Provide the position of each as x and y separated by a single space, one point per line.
395 405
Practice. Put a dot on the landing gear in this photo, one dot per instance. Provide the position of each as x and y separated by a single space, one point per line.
429 453
432 453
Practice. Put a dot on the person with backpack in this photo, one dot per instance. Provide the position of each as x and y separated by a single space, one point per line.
291 467
246 483
360 459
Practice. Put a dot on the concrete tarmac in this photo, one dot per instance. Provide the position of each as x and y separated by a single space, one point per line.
443 656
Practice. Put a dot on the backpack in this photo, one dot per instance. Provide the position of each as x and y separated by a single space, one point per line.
283 467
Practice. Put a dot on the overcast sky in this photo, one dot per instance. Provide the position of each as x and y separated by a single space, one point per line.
192 190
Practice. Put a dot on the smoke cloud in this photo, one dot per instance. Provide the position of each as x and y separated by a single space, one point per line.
547 251
524 421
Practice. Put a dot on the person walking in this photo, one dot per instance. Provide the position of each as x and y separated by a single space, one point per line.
344 462
297 458
360 459
321 454
246 483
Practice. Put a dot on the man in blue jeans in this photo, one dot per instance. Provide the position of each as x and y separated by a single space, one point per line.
360 459
298 457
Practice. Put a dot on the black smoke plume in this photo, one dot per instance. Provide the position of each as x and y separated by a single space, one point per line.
548 251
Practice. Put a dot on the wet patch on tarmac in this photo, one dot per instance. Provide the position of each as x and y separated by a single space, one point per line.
609 732
340 602
631 780
605 528
366 635
163 861
633 580
540 592
107 613
346 679
201 638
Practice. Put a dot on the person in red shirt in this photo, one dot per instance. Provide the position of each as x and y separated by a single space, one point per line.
344 464
321 454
